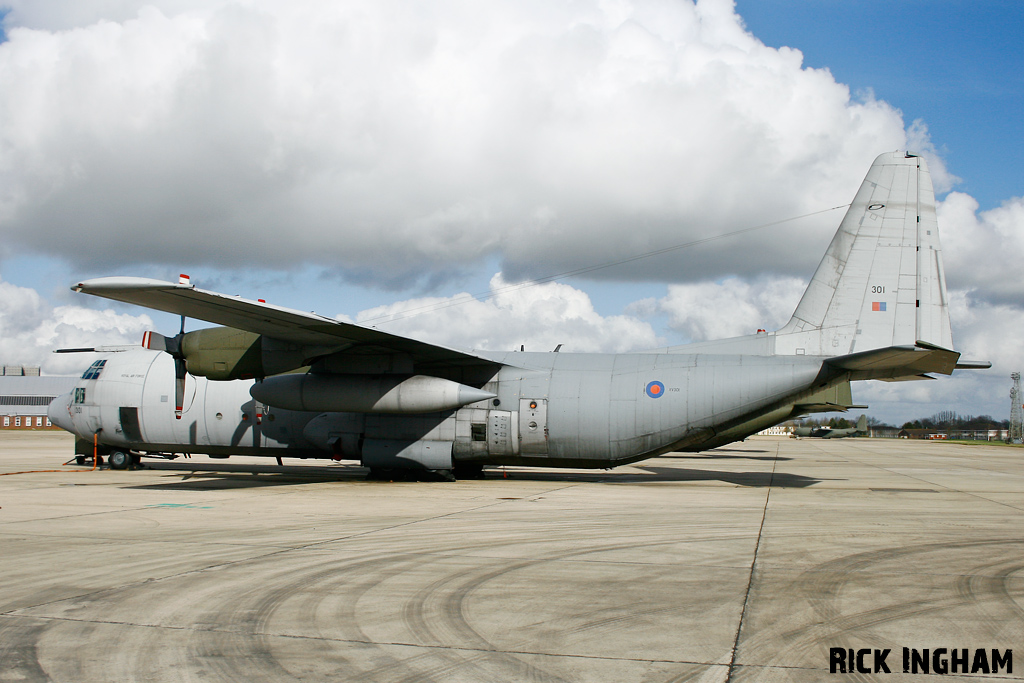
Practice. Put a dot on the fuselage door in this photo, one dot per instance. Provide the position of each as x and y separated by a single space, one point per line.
533 426
130 428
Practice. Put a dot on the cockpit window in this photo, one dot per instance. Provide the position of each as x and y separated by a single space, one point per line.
94 370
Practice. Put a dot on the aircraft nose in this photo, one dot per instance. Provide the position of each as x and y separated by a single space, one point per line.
58 412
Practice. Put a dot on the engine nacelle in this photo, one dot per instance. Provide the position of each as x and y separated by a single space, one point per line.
223 353
365 393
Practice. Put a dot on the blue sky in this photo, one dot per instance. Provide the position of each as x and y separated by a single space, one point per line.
957 65
336 159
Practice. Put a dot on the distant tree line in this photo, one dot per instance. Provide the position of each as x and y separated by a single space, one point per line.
950 420
943 420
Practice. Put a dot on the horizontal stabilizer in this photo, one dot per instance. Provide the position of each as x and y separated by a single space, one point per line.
908 378
973 364
825 408
895 362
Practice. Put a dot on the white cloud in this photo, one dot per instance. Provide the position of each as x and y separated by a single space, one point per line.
30 329
983 251
397 141
731 308
539 317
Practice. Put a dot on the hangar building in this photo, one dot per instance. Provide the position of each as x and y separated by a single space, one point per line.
25 395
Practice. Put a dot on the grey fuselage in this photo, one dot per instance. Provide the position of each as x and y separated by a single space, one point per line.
551 409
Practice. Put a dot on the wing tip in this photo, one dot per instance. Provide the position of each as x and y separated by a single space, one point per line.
120 282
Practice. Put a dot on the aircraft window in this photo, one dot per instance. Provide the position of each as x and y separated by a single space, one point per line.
94 370
479 431
80 395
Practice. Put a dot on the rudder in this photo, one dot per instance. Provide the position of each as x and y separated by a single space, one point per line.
881 281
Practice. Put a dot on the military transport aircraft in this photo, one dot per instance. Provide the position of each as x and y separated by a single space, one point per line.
830 433
279 382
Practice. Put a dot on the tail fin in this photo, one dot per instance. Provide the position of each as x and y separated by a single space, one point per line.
862 424
881 281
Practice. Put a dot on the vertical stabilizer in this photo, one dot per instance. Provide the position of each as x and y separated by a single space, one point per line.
881 282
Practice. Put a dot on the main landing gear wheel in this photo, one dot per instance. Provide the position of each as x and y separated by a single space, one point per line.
119 460
468 471
79 459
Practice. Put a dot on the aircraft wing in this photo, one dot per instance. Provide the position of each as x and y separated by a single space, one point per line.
308 329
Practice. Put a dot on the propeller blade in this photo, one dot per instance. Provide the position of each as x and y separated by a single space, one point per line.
172 346
154 341
179 386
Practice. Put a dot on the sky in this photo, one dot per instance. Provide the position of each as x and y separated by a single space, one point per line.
375 159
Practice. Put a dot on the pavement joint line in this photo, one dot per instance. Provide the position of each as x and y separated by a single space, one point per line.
362 641
269 546
423 646
948 489
506 558
753 566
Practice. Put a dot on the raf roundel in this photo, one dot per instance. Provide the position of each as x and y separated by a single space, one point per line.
655 389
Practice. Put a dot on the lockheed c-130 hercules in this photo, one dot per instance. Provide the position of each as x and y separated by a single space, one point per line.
278 382
831 433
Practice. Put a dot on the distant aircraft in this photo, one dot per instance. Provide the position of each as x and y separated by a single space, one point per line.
830 433
279 382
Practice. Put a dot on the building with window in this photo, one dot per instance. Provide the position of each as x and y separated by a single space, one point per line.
25 396
777 430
